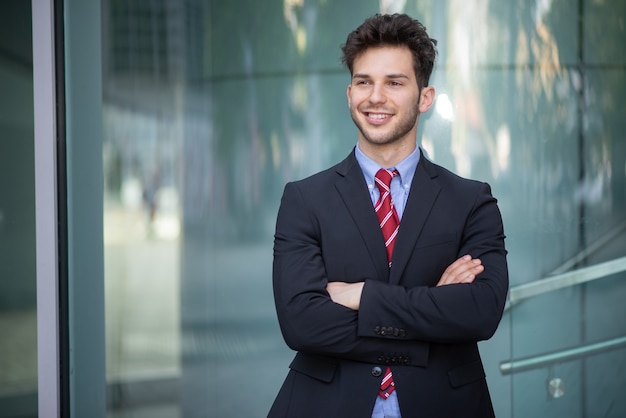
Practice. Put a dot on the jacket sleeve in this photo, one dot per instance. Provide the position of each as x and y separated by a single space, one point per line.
310 321
453 313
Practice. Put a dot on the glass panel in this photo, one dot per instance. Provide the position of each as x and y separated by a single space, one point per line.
142 122
18 313
571 212
210 108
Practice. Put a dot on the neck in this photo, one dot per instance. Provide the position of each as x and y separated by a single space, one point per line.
387 155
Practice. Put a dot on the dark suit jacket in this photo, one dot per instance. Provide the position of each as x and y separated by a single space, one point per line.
327 230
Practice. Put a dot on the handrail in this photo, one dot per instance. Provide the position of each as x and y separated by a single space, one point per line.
590 249
542 360
571 278
561 278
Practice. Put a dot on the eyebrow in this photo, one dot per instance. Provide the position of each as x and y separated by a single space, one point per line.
393 75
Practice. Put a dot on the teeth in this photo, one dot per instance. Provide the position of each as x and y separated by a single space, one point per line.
377 116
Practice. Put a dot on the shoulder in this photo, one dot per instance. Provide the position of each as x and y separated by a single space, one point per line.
447 176
327 177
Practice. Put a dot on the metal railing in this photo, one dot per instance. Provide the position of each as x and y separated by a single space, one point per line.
542 360
559 280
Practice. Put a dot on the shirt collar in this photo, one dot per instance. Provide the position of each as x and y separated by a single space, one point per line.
406 167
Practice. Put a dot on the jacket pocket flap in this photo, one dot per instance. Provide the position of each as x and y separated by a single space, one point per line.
433 240
319 368
466 373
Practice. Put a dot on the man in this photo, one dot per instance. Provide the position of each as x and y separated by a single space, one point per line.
385 319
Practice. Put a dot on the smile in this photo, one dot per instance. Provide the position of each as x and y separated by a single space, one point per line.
377 117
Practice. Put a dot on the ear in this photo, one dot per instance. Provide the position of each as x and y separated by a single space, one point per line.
427 98
348 93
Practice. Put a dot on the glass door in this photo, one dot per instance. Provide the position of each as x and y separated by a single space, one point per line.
18 296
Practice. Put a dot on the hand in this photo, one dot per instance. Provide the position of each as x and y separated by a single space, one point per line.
346 294
463 270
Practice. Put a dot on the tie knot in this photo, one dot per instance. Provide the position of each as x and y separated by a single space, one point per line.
383 179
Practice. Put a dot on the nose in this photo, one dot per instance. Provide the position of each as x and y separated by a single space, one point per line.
377 94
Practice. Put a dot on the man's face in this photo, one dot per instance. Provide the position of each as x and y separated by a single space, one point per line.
384 97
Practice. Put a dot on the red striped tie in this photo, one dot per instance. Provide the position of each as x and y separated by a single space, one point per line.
387 385
386 212
389 224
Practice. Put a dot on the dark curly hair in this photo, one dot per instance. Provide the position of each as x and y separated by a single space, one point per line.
395 30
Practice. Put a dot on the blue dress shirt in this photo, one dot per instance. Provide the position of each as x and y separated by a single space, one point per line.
400 187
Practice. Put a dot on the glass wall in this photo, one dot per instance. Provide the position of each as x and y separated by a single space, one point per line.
209 108
18 313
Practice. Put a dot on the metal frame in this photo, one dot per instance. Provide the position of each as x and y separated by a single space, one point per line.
46 209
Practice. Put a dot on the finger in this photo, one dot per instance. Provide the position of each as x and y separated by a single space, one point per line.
457 267
463 270
467 272
454 267
470 275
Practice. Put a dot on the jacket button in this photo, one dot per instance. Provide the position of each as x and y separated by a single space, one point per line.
377 371
377 330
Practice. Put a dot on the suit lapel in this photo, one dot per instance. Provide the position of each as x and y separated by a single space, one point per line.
421 199
353 190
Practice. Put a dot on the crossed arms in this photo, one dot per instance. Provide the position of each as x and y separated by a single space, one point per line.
337 317
463 270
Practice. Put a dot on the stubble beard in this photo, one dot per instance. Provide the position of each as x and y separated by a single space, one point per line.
402 127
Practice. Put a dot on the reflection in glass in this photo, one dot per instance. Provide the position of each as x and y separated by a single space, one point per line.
18 304
210 109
